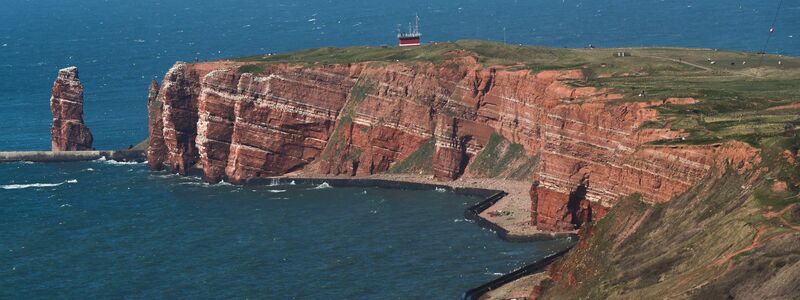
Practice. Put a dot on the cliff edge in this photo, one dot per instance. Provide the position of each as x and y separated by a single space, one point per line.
588 129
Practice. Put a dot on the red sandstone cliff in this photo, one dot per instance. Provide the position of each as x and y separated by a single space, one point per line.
69 133
157 150
361 119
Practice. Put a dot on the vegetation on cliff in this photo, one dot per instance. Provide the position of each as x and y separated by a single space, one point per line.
722 239
738 91
501 158
735 233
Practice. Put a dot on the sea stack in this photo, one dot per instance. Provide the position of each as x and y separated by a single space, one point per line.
68 131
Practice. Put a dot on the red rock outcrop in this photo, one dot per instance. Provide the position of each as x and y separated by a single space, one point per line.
178 97
69 133
251 126
450 149
156 150
361 119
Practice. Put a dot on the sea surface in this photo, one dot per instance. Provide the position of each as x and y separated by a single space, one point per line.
120 45
111 230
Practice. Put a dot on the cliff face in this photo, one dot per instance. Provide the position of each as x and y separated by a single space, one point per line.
69 133
251 126
361 119
157 150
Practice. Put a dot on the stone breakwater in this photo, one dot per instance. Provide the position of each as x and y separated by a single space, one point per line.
69 133
361 119
70 156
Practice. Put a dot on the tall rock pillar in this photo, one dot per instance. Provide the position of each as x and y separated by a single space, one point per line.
68 132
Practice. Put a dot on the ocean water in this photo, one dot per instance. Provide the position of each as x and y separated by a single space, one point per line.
105 230
120 45
99 229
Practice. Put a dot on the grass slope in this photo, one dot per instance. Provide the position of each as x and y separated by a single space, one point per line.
501 158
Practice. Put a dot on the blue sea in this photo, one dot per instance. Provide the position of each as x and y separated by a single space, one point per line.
103 229
112 230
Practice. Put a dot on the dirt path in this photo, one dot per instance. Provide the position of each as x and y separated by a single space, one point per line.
680 61
758 239
756 242
779 215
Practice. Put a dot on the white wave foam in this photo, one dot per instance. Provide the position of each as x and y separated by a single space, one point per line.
114 162
166 176
25 162
441 190
35 185
277 182
277 191
193 183
324 185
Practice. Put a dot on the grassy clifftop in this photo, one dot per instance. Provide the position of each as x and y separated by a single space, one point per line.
744 96
735 235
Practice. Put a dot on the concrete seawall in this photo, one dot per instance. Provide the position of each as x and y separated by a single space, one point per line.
68 156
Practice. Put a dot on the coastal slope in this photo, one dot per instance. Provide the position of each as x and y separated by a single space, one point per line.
586 128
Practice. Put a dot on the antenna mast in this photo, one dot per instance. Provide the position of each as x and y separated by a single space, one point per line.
416 28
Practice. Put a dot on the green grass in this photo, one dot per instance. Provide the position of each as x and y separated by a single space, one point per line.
734 98
774 158
337 143
419 162
500 157
358 94
254 68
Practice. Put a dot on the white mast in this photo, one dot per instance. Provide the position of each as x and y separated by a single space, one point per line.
416 28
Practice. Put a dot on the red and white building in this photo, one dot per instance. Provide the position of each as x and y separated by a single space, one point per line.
410 38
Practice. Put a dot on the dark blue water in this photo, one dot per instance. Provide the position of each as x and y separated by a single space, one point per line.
102 230
120 45
95 229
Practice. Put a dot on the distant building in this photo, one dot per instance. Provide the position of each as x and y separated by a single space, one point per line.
410 38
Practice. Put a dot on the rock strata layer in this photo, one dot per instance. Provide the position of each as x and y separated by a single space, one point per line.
361 119
68 132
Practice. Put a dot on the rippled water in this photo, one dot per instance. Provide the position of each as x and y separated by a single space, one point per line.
97 229
100 229
120 45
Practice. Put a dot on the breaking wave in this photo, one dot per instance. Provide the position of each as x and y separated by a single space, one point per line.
114 162
36 185
324 185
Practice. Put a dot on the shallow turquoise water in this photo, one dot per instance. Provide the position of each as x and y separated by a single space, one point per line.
112 231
